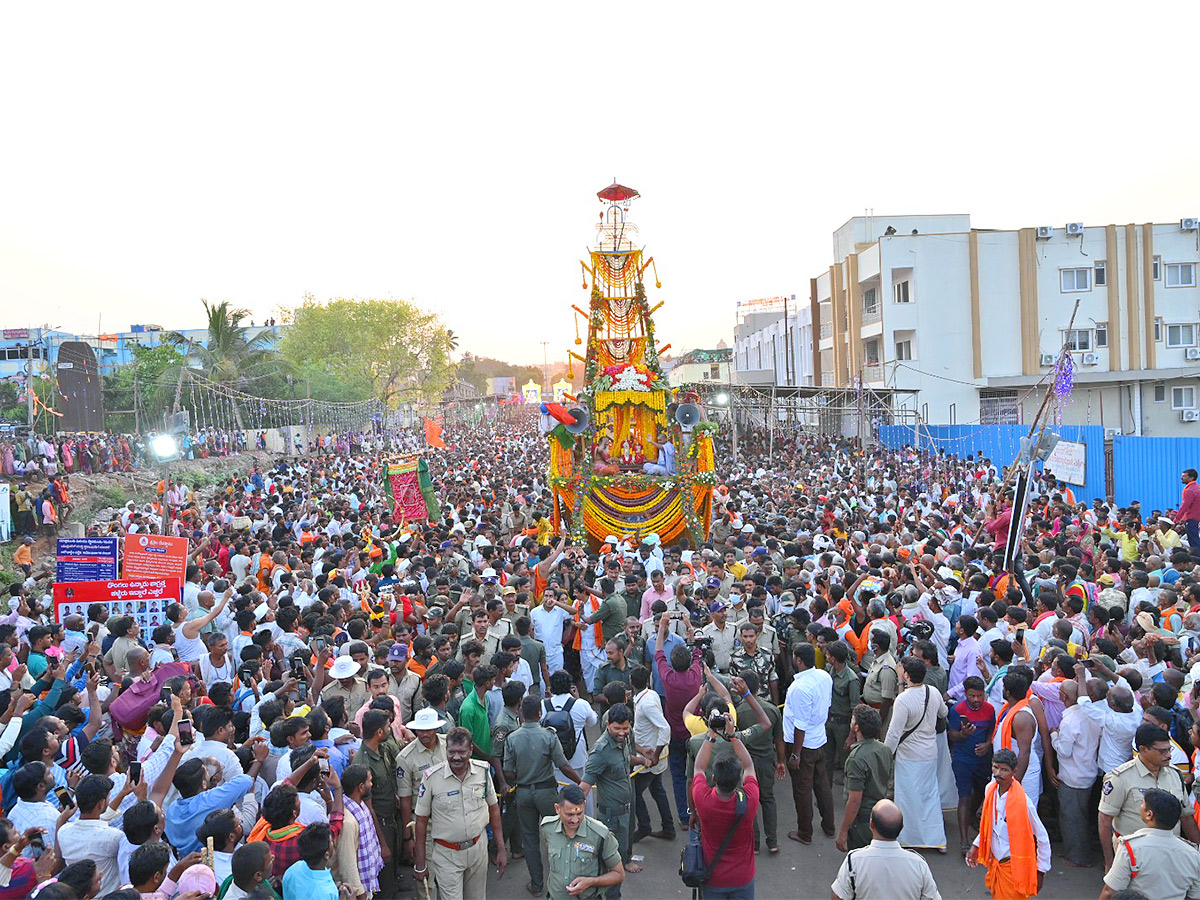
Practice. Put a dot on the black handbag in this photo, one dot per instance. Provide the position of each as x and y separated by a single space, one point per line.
694 871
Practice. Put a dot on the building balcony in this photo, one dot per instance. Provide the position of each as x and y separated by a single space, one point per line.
873 373
826 329
827 379
872 314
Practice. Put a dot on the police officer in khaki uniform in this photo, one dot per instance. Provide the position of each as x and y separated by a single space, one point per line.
530 755
454 804
413 764
882 684
1152 860
583 858
883 870
1121 796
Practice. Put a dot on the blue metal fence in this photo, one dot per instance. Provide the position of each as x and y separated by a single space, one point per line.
1000 444
1148 469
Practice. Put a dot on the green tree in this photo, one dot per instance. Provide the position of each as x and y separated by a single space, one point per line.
400 351
146 384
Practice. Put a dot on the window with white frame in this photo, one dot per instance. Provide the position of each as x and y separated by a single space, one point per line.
1181 335
1183 397
1101 273
1181 275
901 292
1156 268
1160 393
1078 339
870 301
872 352
1101 335
1158 330
1075 280
904 350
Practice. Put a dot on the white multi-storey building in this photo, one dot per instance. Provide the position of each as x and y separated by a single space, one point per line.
971 320
769 349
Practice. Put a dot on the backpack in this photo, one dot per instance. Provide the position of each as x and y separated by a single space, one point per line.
560 722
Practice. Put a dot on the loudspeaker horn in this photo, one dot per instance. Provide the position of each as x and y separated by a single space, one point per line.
582 420
687 416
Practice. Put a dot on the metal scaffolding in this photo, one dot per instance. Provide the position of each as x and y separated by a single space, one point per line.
848 412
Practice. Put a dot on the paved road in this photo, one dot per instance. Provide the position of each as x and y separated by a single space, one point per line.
801 872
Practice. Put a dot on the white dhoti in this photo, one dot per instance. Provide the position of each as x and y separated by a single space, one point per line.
919 799
590 660
946 785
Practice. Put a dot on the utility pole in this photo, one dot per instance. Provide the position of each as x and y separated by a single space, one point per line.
29 378
137 418
545 369
308 435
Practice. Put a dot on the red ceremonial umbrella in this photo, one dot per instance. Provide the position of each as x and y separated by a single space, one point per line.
615 193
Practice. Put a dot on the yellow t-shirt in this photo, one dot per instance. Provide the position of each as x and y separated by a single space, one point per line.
696 725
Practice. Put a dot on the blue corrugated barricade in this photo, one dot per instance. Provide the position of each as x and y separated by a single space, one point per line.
1148 469
1000 444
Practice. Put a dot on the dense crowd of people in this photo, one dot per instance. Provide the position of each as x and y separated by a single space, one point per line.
348 704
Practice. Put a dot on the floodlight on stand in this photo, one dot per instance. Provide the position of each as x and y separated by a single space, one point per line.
1047 441
164 447
721 399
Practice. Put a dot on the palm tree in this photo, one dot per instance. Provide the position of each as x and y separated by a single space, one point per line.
228 354
451 340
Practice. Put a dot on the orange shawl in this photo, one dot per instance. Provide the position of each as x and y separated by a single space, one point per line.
1022 849
1007 722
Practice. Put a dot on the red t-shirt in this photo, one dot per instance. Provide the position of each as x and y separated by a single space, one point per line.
736 867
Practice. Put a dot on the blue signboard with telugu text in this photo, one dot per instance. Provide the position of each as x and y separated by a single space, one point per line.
86 559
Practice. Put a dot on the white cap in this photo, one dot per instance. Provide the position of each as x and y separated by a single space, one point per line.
489 573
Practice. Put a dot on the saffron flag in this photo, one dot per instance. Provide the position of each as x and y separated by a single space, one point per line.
433 434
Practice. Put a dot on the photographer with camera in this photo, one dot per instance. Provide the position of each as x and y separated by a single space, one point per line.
726 812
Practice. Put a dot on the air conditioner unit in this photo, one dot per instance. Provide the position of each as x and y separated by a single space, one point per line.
1047 359
1045 232
1189 224
1190 415
1192 353
1110 433
1074 229
1091 359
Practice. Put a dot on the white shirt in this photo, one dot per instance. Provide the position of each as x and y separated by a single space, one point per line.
999 847
312 810
650 727
1116 732
1077 743
93 839
230 767
548 628
27 814
807 707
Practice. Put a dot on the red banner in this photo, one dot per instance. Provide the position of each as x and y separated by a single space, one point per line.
144 599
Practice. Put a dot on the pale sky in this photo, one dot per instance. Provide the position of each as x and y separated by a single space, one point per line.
157 153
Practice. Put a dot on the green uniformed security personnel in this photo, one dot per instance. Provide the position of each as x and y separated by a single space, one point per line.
868 774
847 690
455 804
882 683
1152 860
530 755
413 764
379 754
1121 796
582 856
607 769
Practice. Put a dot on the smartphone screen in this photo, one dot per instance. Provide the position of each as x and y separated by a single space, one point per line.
186 735
302 692
135 772
64 796
165 696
